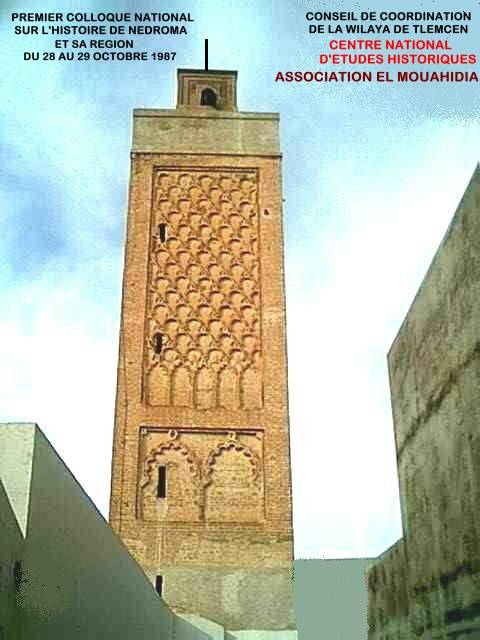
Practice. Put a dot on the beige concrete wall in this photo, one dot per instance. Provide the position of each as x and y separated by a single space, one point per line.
11 542
434 367
77 579
16 457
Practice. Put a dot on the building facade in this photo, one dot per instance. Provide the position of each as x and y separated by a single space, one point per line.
201 490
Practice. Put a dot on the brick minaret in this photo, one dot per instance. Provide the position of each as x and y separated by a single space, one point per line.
201 490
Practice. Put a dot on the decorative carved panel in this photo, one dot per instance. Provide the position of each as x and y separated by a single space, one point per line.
233 483
212 475
203 291
184 493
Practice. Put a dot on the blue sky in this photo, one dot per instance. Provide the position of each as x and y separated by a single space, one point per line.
372 176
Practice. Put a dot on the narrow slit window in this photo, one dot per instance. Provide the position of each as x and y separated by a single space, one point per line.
159 585
162 232
162 482
158 342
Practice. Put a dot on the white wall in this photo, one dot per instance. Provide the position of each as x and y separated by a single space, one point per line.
11 540
78 579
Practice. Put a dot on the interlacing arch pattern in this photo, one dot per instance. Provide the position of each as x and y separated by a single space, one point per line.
203 338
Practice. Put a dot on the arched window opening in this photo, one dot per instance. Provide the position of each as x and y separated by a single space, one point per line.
208 98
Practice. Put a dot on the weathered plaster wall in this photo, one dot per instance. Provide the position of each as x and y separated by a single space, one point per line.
434 367
388 595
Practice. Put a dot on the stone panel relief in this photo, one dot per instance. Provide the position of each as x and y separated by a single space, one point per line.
203 342
221 482
183 483
233 483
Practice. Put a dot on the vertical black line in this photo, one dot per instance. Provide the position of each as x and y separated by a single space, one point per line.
162 482
206 54
162 232
158 342
159 585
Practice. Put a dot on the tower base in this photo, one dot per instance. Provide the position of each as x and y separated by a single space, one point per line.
238 599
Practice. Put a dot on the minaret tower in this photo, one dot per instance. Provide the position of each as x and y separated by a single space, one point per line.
201 491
